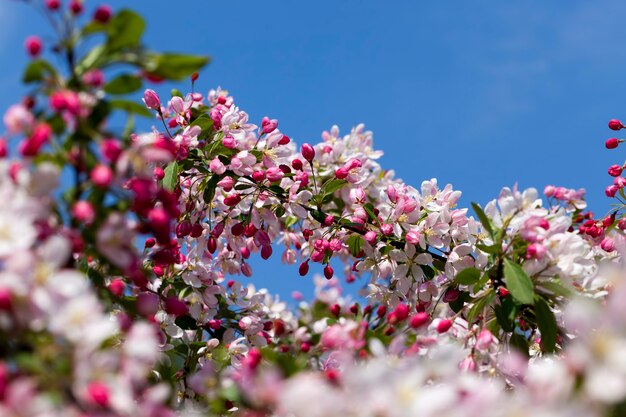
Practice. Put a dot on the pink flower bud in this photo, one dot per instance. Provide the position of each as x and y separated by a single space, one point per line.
227 183
484 340
444 325
232 200
94 78
615 170
268 126
159 222
307 152
266 252
304 268
111 149
76 6
317 256
335 309
413 237
622 224
258 176
535 251
608 244
386 229
370 237
611 190
84 212
419 319
296 164
211 245
341 173
392 193
611 143
400 313
303 177
175 306
147 304
98 394
116 287
615 124
101 176
33 45
284 140
152 100
53 4
328 271
6 303
102 14
274 174
549 190
183 229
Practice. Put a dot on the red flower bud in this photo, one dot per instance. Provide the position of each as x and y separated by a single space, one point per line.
615 124
307 152
612 143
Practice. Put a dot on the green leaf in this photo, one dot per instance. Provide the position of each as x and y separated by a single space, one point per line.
186 322
174 66
492 249
546 323
209 190
484 220
506 313
556 289
125 30
130 107
333 185
520 343
206 124
94 58
171 176
123 84
369 209
518 282
479 305
37 70
355 244
459 303
467 276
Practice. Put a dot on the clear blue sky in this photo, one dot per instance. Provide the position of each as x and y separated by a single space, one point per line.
480 94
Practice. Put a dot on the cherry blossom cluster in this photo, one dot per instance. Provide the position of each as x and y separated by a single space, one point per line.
126 285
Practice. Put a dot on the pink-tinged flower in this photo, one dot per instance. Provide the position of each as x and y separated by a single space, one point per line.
549 190
343 336
413 237
33 46
357 196
84 212
18 119
152 100
101 176
102 14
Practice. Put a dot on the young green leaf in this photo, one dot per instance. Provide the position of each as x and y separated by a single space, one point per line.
546 323
125 30
518 282
123 84
467 276
333 185
484 220
171 176
174 66
355 244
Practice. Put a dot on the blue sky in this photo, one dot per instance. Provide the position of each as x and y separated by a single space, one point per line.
480 94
